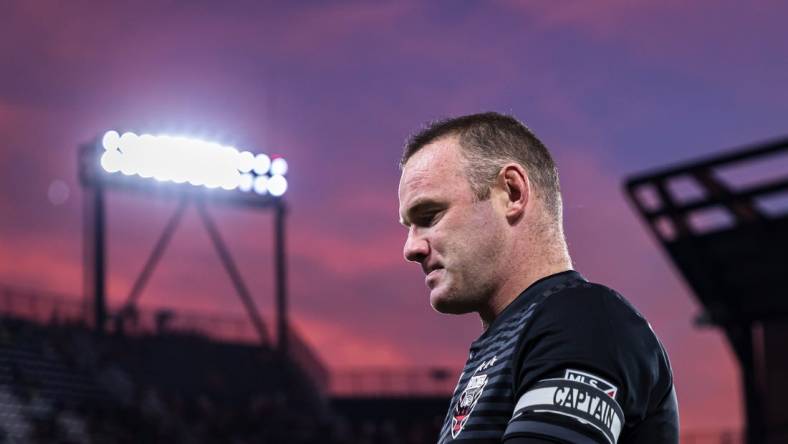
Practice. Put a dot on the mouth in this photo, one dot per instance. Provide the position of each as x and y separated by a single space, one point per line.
432 276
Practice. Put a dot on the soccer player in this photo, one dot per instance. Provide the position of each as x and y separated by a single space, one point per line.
560 359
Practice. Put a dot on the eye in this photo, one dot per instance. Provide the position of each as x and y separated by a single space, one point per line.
429 219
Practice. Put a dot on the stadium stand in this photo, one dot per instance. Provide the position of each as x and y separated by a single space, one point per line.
61 383
150 382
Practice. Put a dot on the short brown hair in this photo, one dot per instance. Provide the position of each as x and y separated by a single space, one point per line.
489 141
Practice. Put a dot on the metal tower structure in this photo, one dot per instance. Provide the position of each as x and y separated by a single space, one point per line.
102 168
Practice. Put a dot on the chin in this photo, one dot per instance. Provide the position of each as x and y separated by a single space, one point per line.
444 302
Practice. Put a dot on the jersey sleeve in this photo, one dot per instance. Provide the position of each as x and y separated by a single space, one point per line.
586 365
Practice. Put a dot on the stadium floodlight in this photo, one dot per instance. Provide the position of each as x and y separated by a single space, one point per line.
245 162
246 182
261 164
260 185
279 166
277 185
196 172
197 162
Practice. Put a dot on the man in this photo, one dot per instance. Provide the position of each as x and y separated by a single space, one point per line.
561 360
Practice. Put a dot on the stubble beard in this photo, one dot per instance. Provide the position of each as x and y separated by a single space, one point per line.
460 297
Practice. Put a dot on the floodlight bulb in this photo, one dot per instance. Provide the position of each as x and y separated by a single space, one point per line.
110 140
261 185
245 162
126 140
231 153
279 167
231 180
127 168
110 161
246 182
261 163
277 185
200 163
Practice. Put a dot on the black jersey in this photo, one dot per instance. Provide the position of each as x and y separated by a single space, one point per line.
570 360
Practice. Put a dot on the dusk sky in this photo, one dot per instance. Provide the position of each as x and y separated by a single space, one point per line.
613 88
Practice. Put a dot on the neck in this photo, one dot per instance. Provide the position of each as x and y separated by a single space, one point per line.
521 274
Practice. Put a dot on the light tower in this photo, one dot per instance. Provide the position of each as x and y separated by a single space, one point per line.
190 171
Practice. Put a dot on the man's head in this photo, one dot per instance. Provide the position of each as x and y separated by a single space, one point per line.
488 141
467 186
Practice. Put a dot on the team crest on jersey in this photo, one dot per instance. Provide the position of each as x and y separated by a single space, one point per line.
596 381
469 397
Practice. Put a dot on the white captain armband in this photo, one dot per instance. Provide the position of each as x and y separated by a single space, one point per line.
586 398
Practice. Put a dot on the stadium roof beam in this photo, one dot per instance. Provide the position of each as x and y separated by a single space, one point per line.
724 223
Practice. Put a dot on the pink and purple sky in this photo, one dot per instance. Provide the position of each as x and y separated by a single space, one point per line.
612 87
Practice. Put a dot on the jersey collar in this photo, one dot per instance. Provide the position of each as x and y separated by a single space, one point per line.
528 295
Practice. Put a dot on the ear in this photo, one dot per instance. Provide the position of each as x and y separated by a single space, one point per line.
517 189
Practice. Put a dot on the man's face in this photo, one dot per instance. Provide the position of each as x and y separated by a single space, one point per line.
454 237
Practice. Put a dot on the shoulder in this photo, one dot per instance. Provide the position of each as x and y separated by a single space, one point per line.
588 326
588 295
591 311
586 340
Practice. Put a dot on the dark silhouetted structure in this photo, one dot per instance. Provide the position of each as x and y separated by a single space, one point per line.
201 379
724 223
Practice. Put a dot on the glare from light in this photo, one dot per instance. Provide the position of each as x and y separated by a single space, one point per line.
126 140
261 164
245 162
261 184
176 151
58 192
158 170
132 154
110 140
197 170
277 185
110 161
213 176
279 167
230 176
231 180
245 183
209 160
200 163
230 154
145 152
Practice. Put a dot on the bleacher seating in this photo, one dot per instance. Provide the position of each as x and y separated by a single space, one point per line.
60 383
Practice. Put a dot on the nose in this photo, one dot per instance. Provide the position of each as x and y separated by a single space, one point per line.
416 247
